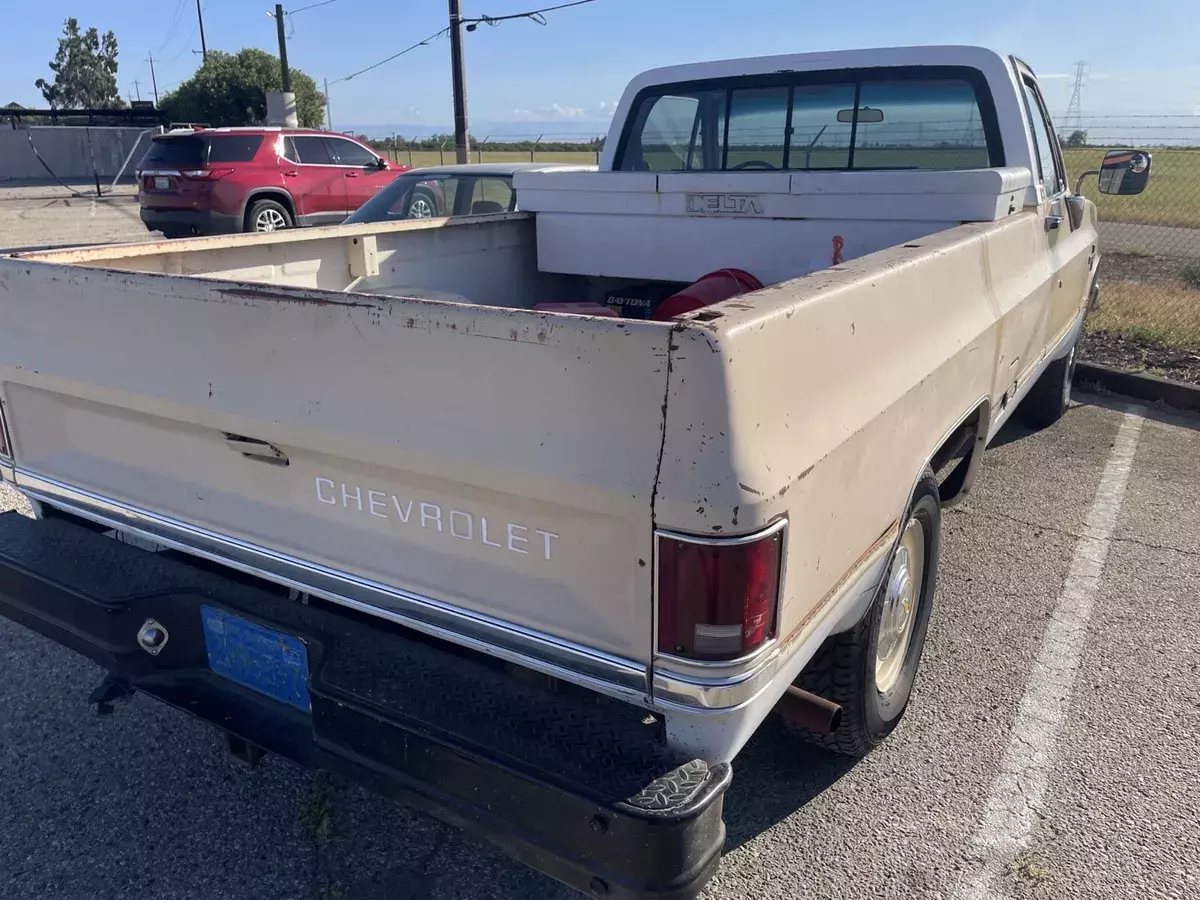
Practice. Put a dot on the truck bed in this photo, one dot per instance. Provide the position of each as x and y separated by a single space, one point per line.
491 474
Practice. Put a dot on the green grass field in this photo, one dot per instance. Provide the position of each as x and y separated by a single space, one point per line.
1171 198
1167 314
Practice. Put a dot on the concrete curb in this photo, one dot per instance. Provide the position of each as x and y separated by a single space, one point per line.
1139 385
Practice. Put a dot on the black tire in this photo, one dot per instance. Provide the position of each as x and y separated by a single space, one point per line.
422 200
1050 397
844 669
269 210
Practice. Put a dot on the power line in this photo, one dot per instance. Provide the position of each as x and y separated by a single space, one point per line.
310 6
421 43
534 15
187 45
174 26
471 25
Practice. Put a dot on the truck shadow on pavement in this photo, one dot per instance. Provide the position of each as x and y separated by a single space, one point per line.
773 777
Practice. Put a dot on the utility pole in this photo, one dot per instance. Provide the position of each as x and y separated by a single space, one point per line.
328 114
203 46
283 64
138 88
153 80
462 136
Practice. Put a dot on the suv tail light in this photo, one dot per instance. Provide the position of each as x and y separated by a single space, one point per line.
718 600
206 174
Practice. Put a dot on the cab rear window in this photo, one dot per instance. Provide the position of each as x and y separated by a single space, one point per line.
919 117
197 150
177 151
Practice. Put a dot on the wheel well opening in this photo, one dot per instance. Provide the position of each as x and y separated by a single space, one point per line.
955 462
278 196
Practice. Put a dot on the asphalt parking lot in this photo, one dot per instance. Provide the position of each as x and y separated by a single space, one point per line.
1052 749
38 216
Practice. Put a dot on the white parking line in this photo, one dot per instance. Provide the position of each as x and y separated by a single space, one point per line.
1020 788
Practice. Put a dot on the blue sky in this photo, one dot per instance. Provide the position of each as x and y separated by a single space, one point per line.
564 78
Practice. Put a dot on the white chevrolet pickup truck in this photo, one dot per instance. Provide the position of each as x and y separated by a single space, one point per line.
531 519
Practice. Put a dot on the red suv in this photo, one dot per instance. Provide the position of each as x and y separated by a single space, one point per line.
226 180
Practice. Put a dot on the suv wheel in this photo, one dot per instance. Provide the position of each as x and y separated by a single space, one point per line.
424 205
268 215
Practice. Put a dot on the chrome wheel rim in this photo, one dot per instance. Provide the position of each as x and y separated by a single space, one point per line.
420 208
269 220
1066 394
900 600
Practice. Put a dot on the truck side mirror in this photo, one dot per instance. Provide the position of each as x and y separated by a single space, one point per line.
1124 171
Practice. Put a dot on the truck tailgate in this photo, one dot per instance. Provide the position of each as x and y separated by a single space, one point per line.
449 459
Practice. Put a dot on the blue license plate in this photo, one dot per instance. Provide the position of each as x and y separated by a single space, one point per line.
263 660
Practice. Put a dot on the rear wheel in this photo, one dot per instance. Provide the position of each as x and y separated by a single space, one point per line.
1050 397
870 669
268 215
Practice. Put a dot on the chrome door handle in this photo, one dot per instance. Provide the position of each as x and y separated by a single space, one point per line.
1053 222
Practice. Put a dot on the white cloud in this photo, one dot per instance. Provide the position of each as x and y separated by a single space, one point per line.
558 112
555 112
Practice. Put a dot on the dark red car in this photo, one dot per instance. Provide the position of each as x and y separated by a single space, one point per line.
227 180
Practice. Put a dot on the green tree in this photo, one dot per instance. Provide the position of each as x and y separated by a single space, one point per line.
85 70
231 89
1077 138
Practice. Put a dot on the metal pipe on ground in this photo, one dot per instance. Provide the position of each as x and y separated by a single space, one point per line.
809 711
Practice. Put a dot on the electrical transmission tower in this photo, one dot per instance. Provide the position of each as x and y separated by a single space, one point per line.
1073 120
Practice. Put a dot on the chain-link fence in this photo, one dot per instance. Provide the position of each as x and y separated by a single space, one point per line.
1149 313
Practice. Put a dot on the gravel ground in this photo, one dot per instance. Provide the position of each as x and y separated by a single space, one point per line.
1140 355
145 804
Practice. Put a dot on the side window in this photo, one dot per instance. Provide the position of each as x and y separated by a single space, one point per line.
678 133
351 154
491 195
757 128
228 148
287 149
1043 136
311 149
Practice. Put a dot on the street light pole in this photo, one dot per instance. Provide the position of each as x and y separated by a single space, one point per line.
462 137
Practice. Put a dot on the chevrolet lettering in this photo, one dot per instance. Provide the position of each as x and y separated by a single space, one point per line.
454 523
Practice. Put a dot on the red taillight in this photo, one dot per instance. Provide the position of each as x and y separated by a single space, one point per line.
717 600
206 174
